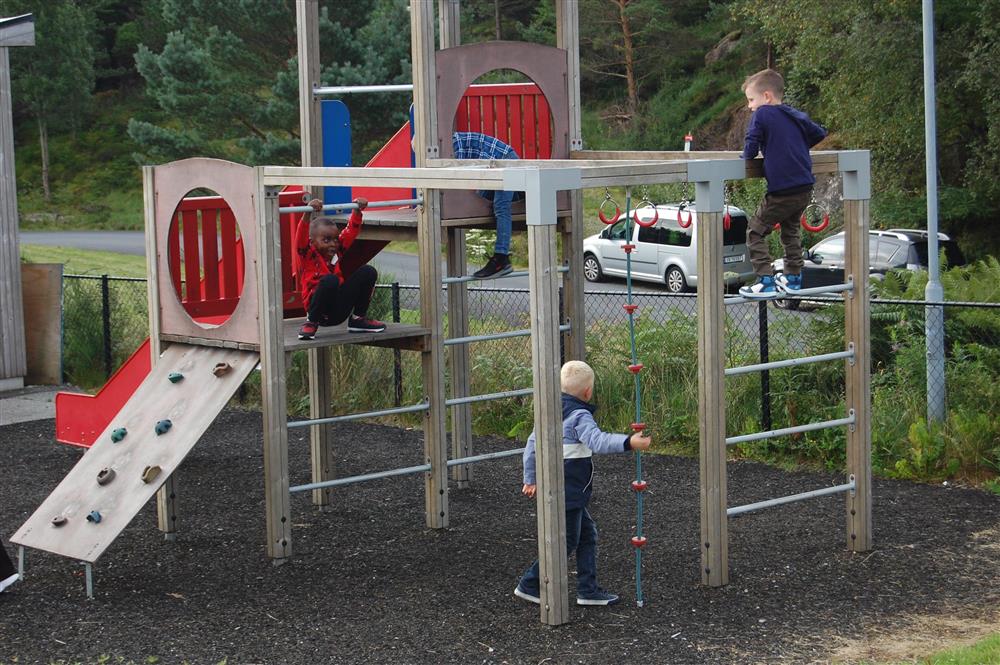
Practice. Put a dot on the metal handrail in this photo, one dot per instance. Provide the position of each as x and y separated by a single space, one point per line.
792 498
811 427
792 362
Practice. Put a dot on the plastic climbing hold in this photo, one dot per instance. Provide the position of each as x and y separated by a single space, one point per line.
639 485
638 427
118 434
221 369
638 541
635 369
162 427
175 377
630 308
150 473
94 517
59 520
105 476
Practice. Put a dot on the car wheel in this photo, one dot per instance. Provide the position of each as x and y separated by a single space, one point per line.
675 280
592 269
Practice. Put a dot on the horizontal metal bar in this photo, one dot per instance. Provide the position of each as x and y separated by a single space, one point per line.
356 89
472 278
493 336
484 457
455 401
792 498
351 480
770 434
423 406
791 362
398 203
816 290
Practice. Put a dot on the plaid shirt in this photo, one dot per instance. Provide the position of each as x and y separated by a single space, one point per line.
473 145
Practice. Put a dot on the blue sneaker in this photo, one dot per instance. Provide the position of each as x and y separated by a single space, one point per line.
764 287
527 595
788 282
599 597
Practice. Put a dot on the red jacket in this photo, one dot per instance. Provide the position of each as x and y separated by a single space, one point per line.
311 266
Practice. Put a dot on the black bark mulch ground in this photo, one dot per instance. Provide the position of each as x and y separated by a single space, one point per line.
370 584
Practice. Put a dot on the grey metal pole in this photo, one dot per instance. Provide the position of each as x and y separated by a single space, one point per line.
933 314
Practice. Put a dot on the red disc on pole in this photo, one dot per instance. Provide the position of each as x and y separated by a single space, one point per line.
628 248
638 542
630 308
639 485
638 427
635 369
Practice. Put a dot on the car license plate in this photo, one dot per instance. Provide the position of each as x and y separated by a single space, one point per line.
734 259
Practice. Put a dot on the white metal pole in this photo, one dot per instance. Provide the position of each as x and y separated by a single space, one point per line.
933 314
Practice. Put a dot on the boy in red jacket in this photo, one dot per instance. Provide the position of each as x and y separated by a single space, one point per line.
327 296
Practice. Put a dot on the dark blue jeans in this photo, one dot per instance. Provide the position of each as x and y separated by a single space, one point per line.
581 537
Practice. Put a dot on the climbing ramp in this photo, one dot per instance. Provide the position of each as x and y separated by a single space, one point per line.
137 452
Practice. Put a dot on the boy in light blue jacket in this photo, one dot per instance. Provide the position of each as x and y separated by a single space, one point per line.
582 438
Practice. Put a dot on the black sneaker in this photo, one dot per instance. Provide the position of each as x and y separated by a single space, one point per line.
362 324
497 266
308 330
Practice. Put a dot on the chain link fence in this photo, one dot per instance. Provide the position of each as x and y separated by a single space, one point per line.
105 321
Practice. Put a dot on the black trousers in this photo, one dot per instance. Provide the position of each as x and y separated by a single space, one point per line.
332 302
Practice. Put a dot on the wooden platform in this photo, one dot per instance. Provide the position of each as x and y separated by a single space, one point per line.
396 335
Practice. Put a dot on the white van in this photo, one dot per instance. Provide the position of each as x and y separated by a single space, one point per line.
665 252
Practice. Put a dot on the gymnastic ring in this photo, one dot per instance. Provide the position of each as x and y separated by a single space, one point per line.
680 222
600 211
804 220
643 206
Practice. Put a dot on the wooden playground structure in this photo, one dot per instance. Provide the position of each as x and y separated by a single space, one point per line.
257 326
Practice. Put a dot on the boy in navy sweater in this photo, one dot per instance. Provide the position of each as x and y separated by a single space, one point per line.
784 135
581 439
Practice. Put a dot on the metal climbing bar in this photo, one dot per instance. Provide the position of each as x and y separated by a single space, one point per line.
397 203
423 406
491 336
455 401
324 90
792 498
351 480
792 362
473 278
813 291
774 433
485 457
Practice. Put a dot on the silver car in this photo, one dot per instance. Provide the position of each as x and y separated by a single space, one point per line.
667 252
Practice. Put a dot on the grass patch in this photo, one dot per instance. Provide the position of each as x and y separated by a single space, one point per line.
984 651
86 262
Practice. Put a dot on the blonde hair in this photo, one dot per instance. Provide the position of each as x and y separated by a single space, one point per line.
766 80
575 377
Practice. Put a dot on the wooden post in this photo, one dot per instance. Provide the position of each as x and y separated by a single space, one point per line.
274 399
450 30
540 188
429 245
709 178
311 132
17 31
568 38
166 496
855 171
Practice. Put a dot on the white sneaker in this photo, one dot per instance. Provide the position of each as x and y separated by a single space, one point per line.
7 582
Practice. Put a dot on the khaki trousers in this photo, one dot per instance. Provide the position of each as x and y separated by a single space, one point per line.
783 210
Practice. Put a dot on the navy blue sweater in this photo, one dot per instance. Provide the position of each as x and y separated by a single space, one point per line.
582 438
784 135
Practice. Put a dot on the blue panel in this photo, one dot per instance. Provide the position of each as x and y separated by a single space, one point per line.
336 121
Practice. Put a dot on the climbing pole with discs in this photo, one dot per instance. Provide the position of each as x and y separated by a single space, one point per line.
638 485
